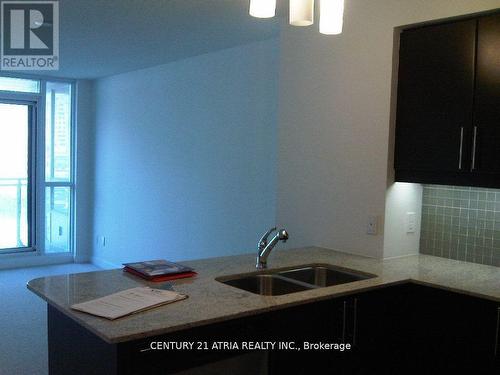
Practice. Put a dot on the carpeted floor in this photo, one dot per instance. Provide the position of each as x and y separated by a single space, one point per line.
23 319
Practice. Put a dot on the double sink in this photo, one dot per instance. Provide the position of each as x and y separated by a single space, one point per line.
293 279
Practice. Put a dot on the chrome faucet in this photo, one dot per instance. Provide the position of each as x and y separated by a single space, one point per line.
266 247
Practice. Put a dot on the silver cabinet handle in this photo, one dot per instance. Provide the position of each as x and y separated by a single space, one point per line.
344 322
355 326
497 344
461 148
474 143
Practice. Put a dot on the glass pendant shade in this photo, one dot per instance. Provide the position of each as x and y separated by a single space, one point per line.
263 8
301 12
331 17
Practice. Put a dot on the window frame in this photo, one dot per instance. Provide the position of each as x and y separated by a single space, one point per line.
37 164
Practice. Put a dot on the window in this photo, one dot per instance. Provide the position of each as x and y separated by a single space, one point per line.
19 85
58 178
36 179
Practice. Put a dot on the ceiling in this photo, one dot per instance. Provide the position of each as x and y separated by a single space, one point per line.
104 37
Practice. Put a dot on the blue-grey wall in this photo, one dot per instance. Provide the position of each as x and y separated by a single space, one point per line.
185 157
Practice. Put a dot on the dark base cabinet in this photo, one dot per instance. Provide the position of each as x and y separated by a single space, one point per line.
418 329
73 350
400 329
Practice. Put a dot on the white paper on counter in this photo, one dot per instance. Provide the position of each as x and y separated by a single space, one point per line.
128 302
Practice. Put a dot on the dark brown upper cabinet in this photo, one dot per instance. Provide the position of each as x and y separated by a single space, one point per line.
448 109
486 120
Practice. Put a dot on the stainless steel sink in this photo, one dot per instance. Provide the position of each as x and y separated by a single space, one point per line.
266 285
293 279
325 275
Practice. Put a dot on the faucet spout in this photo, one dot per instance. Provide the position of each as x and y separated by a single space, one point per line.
265 248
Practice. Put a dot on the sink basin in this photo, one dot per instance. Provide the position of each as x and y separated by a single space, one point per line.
266 285
324 275
293 279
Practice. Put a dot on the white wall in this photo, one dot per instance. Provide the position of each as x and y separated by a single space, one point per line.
334 122
402 198
186 156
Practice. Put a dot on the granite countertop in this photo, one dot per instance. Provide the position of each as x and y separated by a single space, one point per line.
211 301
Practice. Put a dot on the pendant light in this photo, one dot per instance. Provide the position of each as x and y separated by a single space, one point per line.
331 17
301 12
263 8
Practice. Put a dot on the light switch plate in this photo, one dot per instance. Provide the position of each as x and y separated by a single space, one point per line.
372 225
411 224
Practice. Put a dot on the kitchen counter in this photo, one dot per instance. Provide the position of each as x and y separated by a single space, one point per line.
211 301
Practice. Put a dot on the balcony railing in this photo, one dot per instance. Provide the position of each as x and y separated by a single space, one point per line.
13 212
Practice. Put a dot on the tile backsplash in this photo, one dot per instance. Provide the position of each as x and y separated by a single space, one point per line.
461 223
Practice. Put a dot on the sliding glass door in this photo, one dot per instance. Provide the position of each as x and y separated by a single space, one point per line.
17 213
37 186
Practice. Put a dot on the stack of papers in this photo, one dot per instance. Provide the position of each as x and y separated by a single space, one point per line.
128 302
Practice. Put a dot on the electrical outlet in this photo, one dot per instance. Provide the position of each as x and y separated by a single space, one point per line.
411 224
101 241
372 225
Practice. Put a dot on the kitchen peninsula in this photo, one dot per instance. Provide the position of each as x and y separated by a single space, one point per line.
404 289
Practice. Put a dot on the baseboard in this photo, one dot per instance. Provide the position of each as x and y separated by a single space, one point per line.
31 260
83 259
104 264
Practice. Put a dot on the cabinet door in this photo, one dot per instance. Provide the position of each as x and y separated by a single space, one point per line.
453 332
383 321
487 101
320 322
435 97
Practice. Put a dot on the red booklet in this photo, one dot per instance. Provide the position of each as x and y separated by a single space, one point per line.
160 278
159 270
